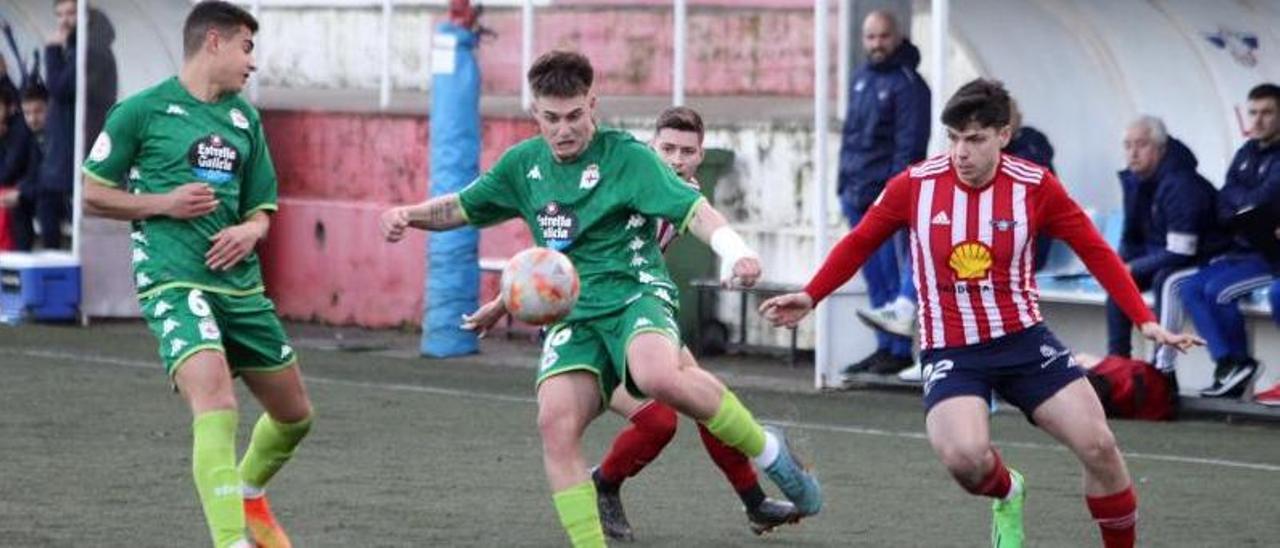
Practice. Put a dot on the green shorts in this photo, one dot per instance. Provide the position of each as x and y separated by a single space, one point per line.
244 328
599 345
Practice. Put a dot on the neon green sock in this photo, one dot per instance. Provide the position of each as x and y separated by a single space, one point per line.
579 515
213 463
270 447
734 425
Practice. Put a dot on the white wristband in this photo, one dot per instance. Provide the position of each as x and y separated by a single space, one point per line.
726 243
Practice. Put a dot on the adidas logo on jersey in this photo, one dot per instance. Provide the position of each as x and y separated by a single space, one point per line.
534 174
941 219
175 110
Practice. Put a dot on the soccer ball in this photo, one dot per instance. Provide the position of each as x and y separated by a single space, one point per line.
539 286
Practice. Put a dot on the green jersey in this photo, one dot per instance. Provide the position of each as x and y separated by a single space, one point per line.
598 209
163 138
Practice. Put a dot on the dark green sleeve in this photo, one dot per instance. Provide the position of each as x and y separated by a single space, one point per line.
258 186
493 197
656 190
114 150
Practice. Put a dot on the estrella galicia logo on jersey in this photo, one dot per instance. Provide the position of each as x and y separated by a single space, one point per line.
213 160
558 224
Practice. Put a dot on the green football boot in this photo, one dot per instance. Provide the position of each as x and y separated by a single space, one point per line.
1006 517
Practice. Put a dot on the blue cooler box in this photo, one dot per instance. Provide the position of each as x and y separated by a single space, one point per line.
42 286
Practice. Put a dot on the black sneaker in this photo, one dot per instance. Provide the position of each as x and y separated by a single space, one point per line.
891 364
1230 379
867 363
770 514
613 519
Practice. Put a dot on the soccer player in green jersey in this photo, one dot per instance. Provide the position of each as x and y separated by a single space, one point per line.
677 139
592 193
186 162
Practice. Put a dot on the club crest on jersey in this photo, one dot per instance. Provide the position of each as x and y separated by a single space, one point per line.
101 148
558 224
238 119
213 160
1003 225
590 177
970 260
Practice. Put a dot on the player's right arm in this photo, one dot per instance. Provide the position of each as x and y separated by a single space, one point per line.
185 202
491 198
435 214
113 154
887 215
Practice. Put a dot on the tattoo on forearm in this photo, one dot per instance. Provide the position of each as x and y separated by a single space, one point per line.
441 214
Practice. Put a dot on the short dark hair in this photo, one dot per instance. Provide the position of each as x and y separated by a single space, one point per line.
224 17
983 101
562 74
680 119
56 3
34 91
1265 91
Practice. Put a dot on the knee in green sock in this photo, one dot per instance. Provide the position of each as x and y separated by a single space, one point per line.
271 446
734 425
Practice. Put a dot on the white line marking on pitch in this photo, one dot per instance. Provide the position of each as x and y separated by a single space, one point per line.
422 389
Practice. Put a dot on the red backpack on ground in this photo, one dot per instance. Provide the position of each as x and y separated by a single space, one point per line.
1134 389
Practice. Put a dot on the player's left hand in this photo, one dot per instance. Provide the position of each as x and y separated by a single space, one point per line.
9 198
746 272
231 245
484 317
1160 335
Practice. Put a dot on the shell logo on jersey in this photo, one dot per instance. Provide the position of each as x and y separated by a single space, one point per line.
213 160
558 224
590 177
970 260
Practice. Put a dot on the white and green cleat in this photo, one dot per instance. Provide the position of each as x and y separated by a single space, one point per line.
1006 517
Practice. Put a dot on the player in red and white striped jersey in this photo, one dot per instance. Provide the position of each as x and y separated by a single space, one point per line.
973 214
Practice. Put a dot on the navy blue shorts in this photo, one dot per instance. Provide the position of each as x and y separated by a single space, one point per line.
1024 368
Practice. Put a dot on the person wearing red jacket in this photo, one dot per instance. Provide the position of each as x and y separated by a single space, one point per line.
973 215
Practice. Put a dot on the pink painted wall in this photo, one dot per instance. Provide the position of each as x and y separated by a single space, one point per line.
731 52
793 4
324 259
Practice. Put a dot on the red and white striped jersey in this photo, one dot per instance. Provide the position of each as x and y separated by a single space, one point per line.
668 232
973 248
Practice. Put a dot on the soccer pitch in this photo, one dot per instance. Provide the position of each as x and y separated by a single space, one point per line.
409 452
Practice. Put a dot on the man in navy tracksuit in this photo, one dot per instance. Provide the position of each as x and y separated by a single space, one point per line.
1169 217
886 129
1253 181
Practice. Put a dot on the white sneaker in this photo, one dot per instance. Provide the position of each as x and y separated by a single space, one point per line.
915 373
889 319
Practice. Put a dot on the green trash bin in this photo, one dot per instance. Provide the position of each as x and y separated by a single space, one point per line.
689 259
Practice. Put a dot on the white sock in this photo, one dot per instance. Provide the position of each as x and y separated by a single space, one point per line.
242 543
904 307
1015 487
250 492
772 446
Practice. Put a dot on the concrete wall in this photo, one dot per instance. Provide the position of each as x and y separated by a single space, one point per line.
325 260
757 48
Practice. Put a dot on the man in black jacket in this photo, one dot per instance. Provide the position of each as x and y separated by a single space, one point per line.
54 178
